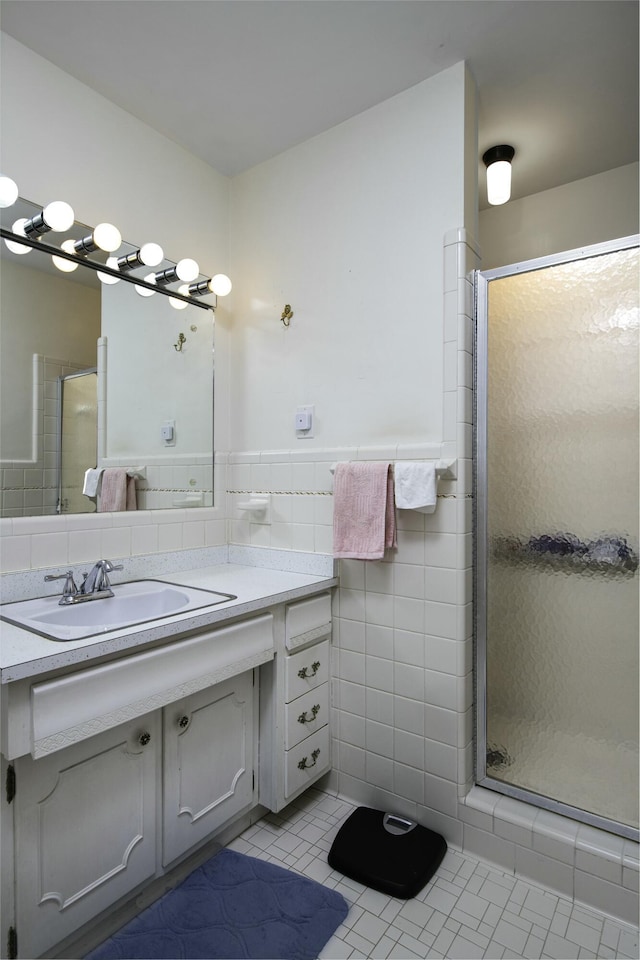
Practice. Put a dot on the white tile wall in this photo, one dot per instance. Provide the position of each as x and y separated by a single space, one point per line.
29 543
29 488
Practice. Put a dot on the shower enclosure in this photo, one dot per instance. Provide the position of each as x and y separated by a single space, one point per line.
557 533
77 438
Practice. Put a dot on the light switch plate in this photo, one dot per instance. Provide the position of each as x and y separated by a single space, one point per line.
304 422
168 433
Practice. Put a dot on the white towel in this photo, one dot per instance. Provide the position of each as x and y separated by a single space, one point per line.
92 478
416 486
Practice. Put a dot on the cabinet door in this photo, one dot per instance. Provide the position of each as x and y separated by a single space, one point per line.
208 762
85 830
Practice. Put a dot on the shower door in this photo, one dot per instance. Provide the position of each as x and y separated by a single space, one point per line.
557 533
78 438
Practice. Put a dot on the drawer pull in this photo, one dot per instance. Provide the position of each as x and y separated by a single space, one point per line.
303 765
183 722
144 739
315 710
315 666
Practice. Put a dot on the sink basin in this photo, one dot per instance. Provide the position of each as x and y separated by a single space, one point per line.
133 603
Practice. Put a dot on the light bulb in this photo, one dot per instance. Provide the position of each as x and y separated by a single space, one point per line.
67 266
497 160
112 263
180 304
150 278
8 191
151 254
220 285
499 182
19 248
59 216
107 237
187 270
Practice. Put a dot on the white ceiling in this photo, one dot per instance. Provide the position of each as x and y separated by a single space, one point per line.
239 81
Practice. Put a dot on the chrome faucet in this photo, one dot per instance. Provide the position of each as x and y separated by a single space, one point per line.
97 580
95 585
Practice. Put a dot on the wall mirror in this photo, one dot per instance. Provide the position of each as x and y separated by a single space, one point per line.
98 374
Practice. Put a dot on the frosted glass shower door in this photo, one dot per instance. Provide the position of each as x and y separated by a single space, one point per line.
557 486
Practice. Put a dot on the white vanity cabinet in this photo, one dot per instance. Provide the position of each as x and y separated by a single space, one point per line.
117 769
208 771
119 774
294 705
85 830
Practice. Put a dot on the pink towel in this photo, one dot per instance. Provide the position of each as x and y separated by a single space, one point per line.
118 491
364 515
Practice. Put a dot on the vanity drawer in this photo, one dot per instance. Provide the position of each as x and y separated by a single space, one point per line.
79 705
306 715
313 754
307 621
306 670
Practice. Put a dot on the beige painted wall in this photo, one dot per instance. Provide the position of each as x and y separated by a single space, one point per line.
598 208
348 228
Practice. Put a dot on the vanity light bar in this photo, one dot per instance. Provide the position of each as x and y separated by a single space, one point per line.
220 285
16 246
58 216
149 255
98 267
8 191
199 289
103 237
185 270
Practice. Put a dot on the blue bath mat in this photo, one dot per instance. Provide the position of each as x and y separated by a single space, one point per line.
233 906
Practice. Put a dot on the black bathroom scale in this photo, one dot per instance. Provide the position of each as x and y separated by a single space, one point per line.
387 852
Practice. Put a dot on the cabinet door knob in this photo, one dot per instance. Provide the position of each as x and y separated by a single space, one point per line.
183 722
303 765
315 710
144 738
304 674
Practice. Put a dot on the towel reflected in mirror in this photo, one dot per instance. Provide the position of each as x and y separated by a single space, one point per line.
117 491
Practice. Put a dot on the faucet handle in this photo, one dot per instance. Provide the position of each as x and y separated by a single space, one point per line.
69 589
108 567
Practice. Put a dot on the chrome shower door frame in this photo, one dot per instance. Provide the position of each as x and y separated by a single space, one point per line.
482 280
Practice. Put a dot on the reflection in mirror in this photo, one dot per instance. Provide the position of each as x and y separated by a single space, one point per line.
77 424
153 382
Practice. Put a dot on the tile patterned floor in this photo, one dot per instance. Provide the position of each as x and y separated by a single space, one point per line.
469 909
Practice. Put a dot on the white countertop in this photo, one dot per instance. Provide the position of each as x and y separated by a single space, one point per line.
25 654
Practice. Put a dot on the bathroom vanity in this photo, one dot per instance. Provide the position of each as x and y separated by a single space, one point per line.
123 752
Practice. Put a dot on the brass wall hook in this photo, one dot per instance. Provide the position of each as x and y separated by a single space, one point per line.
287 313
181 341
